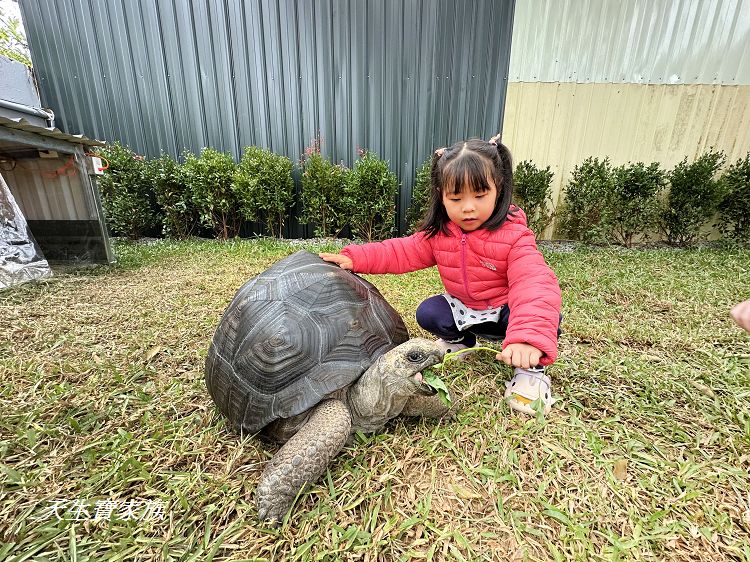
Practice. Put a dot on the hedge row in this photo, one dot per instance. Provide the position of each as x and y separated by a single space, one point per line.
601 203
604 203
210 190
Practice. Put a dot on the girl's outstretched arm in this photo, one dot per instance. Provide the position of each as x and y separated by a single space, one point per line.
395 255
533 298
342 261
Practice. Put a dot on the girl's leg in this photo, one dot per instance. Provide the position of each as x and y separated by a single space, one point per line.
434 315
493 331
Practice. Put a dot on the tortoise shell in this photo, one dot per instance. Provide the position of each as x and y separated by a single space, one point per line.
302 329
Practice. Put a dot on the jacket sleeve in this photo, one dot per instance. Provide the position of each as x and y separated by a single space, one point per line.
534 299
396 255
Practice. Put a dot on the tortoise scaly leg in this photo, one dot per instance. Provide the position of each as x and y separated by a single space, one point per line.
303 459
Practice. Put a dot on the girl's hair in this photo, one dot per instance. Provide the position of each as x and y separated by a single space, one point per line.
469 164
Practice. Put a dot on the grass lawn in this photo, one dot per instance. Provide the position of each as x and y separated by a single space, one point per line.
645 456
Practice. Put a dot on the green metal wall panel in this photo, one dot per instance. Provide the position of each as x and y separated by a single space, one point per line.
399 77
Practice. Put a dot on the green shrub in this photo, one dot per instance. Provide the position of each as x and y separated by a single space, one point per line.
420 196
264 188
127 193
580 213
179 215
532 191
631 206
208 178
369 196
735 206
693 198
322 192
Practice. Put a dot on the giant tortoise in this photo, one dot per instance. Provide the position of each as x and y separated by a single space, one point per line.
307 354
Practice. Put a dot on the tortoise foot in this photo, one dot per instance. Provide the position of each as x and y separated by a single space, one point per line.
302 460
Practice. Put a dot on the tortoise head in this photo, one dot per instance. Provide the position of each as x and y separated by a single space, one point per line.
400 369
382 391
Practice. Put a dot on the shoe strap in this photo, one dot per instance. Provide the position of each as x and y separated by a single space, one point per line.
535 373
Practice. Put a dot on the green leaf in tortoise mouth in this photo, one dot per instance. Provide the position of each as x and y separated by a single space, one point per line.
436 383
431 378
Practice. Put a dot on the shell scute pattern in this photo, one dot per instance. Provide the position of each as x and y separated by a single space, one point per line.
294 334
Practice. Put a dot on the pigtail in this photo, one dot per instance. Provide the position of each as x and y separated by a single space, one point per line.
436 156
502 164
506 173
435 217
434 170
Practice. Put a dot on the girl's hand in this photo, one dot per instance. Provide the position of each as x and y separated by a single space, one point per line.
741 314
520 355
342 261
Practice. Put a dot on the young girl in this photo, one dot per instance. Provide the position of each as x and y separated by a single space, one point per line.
497 283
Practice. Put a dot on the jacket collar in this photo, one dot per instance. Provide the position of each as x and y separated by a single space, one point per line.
455 230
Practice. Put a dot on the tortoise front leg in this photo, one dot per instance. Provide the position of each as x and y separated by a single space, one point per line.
302 459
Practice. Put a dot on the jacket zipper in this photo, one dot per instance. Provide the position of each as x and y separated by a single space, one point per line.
463 265
463 269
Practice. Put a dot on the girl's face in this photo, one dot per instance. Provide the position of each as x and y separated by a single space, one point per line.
469 209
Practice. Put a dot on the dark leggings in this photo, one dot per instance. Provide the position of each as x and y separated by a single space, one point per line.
434 315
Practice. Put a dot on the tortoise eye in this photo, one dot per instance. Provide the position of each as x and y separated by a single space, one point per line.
415 356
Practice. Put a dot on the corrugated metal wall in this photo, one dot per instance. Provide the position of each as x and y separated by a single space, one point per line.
43 194
560 125
397 77
632 41
634 80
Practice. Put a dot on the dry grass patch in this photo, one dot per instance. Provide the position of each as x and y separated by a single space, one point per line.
646 456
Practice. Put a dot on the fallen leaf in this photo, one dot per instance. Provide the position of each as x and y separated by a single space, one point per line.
706 390
151 353
465 493
621 469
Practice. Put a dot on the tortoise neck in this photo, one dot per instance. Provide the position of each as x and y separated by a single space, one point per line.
371 401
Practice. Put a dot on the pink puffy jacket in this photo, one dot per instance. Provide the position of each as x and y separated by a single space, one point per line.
482 269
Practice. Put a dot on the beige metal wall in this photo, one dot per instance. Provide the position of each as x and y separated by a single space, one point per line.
632 80
561 124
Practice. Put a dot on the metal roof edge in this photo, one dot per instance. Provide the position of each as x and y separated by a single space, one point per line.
52 132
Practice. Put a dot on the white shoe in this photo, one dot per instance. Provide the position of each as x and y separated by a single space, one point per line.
527 386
